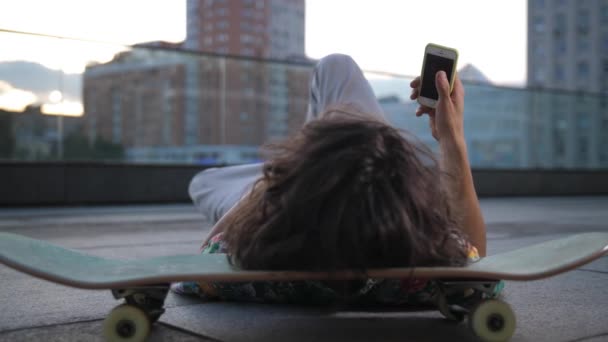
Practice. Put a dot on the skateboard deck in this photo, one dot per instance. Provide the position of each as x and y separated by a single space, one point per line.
144 283
72 268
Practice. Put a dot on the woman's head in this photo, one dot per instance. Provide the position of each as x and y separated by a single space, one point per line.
346 193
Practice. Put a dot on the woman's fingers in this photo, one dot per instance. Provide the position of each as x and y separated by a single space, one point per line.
421 110
414 94
415 82
433 127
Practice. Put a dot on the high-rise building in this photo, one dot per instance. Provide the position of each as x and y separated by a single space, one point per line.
568 44
568 50
254 28
259 101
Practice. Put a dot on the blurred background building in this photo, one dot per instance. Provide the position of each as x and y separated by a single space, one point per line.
165 105
240 78
568 45
495 119
568 50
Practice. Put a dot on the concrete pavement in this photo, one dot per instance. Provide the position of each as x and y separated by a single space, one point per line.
568 307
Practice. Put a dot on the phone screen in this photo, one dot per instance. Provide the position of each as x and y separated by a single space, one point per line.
432 65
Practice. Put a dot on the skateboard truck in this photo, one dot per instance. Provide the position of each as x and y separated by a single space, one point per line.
131 321
489 318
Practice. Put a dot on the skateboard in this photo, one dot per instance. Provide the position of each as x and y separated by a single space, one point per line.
144 284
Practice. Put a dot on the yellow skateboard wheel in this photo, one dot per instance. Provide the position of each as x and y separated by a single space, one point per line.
493 320
126 323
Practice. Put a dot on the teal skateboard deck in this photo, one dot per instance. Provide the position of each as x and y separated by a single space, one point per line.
72 268
144 283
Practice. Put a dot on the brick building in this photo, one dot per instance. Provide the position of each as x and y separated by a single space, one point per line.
158 95
137 99
256 99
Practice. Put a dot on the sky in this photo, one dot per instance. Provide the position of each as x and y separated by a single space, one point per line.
382 35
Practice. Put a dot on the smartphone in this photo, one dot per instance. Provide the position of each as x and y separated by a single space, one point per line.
436 57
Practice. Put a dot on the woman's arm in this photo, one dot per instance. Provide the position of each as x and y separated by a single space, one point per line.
447 126
221 225
458 180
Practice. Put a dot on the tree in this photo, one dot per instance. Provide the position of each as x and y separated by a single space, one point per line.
76 146
106 150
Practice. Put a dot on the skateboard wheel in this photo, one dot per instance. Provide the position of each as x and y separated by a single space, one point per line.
126 323
493 320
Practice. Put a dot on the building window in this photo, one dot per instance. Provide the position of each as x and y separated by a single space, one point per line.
604 14
582 44
539 51
222 37
582 70
246 26
538 22
582 122
247 52
222 11
539 75
223 25
116 116
559 74
247 38
245 78
560 24
560 46
582 22
582 150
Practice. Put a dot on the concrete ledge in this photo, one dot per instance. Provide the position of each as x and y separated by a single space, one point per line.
27 184
540 182
74 183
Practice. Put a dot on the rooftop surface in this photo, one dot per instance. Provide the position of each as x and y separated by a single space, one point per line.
568 307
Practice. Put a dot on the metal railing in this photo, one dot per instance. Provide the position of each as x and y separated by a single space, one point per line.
158 103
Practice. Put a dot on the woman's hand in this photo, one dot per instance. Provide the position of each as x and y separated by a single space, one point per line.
446 119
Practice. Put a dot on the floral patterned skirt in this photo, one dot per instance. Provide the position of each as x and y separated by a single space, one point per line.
368 292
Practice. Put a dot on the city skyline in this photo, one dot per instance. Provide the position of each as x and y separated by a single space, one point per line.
159 105
499 50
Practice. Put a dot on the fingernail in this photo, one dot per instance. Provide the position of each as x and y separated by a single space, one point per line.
442 75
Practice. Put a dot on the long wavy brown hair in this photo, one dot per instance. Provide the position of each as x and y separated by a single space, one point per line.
346 194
